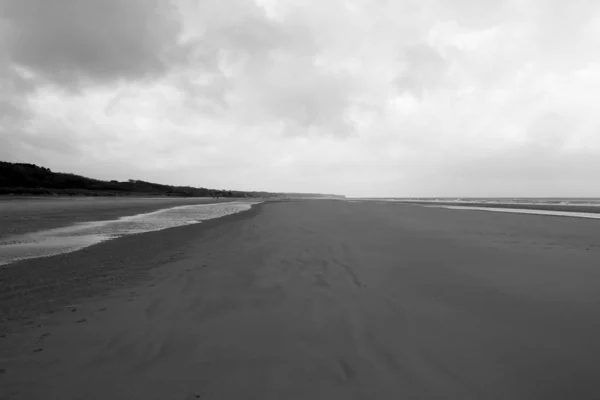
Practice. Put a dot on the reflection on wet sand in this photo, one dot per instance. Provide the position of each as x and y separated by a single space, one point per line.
71 238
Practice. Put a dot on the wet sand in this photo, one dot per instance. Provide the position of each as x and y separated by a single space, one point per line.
314 300
19 215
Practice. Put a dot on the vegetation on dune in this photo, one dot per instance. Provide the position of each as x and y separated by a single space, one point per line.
18 178
30 179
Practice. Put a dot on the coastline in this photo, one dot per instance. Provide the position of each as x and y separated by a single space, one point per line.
543 207
36 286
26 215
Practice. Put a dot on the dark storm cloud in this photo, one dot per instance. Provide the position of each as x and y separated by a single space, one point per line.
70 41
72 45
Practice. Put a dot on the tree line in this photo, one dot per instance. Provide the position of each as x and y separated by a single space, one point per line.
23 178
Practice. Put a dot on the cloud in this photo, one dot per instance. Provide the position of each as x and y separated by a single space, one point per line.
72 42
391 98
261 70
423 69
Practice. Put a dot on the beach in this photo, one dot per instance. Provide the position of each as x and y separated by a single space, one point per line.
313 299
21 215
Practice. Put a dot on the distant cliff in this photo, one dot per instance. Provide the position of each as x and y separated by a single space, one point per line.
30 179
313 196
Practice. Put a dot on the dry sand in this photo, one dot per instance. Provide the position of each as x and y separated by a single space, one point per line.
314 300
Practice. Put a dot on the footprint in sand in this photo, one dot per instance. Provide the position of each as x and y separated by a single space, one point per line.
43 336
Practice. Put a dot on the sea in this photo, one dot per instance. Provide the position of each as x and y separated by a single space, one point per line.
576 207
581 201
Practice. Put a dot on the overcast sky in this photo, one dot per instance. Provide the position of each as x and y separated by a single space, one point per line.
356 97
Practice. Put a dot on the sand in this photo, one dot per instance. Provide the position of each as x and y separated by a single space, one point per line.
314 300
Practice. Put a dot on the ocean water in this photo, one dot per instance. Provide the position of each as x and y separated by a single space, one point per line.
569 205
565 201
526 211
71 238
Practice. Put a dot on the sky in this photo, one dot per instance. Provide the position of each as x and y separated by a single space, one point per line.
390 98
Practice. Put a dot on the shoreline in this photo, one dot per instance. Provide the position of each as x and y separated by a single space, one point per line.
36 286
531 211
29 215
542 207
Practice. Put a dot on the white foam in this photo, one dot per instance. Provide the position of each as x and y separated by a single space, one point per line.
71 238
526 211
